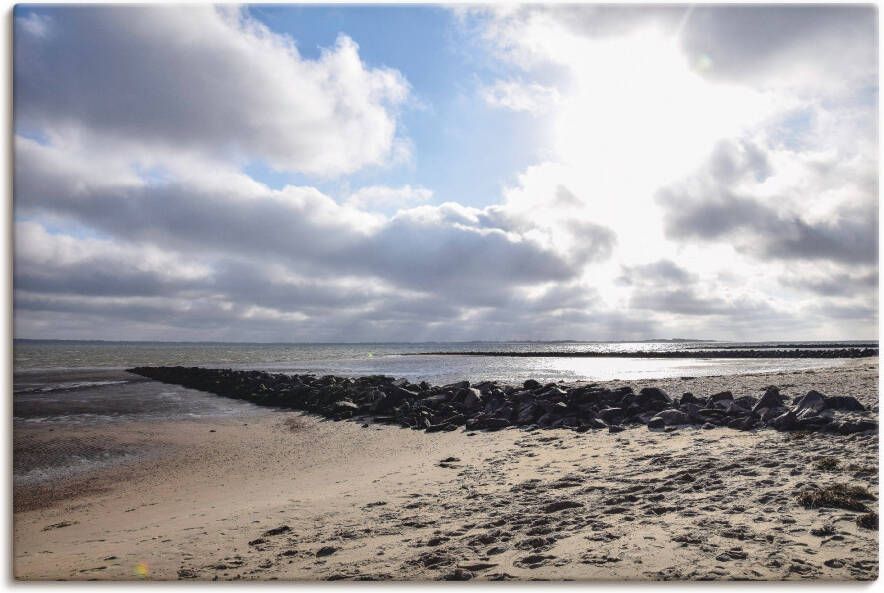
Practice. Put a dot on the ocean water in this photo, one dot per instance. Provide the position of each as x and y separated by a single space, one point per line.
62 381
65 387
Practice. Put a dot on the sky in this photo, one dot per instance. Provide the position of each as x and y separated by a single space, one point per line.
430 173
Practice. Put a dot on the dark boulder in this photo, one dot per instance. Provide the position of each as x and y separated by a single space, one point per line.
496 423
813 400
846 403
472 398
656 423
723 395
528 413
673 417
812 422
768 414
747 402
596 423
787 421
770 399
611 415
690 398
855 426
652 398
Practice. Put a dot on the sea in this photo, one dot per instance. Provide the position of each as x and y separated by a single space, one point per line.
87 382
66 386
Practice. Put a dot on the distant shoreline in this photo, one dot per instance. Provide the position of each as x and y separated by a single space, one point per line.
704 354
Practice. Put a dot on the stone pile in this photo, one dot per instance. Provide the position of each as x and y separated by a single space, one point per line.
489 405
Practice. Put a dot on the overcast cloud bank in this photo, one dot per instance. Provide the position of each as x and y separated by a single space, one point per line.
727 189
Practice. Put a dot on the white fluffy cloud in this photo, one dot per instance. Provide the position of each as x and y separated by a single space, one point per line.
204 79
381 196
517 95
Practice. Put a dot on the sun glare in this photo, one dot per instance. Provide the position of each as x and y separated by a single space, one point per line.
641 115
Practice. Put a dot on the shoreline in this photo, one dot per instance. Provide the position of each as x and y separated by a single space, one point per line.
384 503
699 354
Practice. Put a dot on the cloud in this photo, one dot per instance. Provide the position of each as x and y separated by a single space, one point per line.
516 95
381 196
449 249
660 271
726 201
834 283
698 184
205 79
812 48
665 287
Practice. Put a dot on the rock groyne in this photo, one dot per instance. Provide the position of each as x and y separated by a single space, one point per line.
489 405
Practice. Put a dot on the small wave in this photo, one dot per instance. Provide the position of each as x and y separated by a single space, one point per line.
73 466
71 386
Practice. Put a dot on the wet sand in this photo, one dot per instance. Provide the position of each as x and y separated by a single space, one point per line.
279 495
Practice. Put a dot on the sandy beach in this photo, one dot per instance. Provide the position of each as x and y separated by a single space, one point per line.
284 495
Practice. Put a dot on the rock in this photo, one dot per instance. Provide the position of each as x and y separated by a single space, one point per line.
770 399
747 423
690 398
747 401
326 551
458 574
472 398
813 400
854 426
724 395
496 423
785 421
582 395
561 505
844 402
492 407
812 422
611 415
707 426
596 423
673 417
652 397
528 413
277 530
732 407
546 420
768 414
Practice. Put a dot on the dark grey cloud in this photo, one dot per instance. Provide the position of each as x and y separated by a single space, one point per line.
667 288
712 207
744 41
836 284
663 271
688 301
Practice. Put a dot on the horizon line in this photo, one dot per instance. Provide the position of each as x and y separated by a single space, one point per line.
506 341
